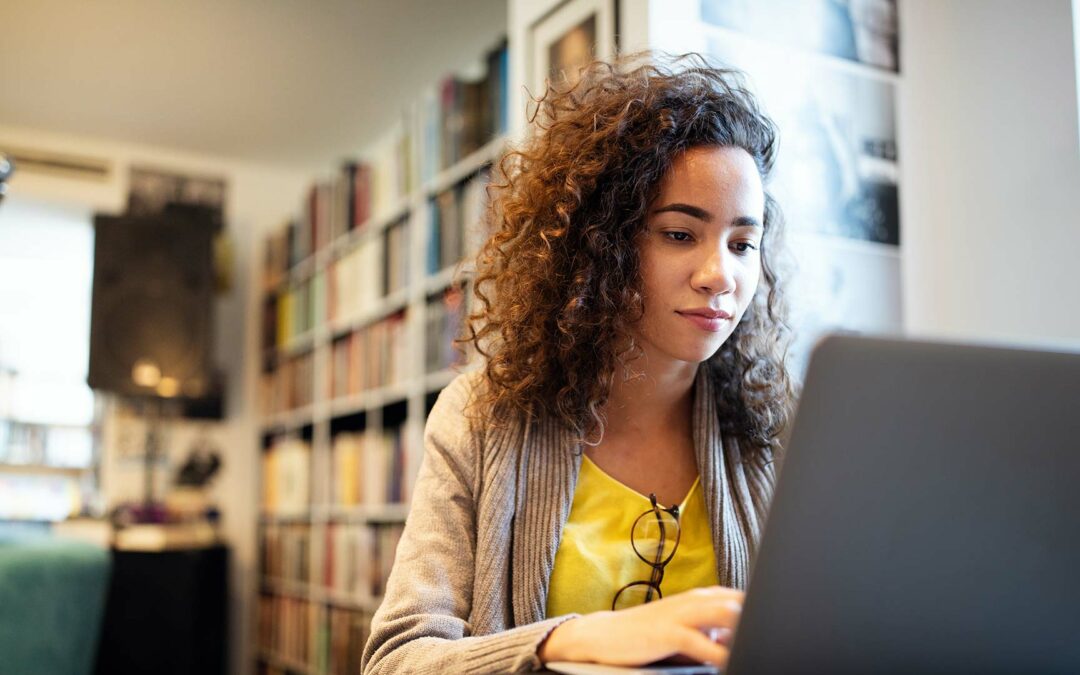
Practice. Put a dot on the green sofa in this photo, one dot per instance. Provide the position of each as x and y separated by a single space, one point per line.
52 599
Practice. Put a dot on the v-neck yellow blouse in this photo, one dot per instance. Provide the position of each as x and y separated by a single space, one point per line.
595 558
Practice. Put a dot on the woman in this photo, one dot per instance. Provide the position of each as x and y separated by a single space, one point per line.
631 322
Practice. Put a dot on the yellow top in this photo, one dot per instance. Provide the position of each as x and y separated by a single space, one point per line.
595 558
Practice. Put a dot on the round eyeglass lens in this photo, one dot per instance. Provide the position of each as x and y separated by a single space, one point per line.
637 593
655 536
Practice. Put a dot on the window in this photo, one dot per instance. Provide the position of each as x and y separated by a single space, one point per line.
47 412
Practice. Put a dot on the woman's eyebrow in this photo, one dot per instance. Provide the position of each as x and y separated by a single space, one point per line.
747 221
703 215
688 209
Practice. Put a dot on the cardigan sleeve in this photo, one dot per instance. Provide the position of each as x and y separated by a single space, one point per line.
422 625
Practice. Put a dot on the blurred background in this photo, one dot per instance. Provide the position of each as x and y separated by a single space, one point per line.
234 242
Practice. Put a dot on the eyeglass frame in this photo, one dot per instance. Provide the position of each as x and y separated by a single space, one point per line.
657 576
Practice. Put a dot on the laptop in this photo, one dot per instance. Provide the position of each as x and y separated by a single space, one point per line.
926 517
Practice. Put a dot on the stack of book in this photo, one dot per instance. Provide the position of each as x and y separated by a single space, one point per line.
383 471
456 217
384 547
298 307
355 281
468 110
364 274
332 208
347 560
286 470
357 559
285 627
370 357
339 204
347 452
372 469
443 322
285 249
289 385
311 638
349 631
285 552
396 246
391 180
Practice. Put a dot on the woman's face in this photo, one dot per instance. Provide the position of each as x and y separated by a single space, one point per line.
700 255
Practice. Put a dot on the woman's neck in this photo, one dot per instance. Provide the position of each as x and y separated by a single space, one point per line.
648 442
653 401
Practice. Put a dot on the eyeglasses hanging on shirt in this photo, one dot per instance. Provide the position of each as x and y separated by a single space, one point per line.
654 537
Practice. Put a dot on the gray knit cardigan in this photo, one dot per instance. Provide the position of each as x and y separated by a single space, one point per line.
469 586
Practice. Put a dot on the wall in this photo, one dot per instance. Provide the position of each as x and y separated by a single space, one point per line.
259 198
990 191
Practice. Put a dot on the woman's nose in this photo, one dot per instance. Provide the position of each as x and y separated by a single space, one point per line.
715 274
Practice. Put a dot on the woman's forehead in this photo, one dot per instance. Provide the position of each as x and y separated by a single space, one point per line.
713 175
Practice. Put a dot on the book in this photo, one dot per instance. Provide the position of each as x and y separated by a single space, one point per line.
433 249
391 170
452 118
472 109
360 195
348 451
444 320
284 552
498 65
457 224
448 203
286 477
396 272
474 203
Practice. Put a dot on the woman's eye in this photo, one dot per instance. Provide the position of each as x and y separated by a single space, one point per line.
678 236
744 247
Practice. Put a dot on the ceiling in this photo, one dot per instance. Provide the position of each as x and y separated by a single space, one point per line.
282 82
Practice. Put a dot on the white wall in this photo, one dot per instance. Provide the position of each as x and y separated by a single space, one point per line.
259 199
990 189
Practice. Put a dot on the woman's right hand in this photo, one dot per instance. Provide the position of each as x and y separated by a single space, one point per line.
679 625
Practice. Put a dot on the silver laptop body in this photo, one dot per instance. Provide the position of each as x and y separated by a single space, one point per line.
926 518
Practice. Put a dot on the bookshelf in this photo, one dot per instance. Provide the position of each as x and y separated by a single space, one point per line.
362 294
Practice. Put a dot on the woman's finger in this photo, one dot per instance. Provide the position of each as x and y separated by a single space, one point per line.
697 646
720 635
711 612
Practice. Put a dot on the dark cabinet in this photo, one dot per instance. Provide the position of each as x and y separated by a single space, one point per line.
166 613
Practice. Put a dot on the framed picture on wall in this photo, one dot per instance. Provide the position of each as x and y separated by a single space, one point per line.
864 31
838 170
826 73
153 192
567 38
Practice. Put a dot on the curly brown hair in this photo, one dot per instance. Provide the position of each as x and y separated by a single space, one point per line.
558 283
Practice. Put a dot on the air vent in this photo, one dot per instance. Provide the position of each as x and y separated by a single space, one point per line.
58 164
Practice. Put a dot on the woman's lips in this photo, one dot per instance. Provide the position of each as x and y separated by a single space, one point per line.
712 322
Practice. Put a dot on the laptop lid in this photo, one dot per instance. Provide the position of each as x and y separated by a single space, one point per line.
926 517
